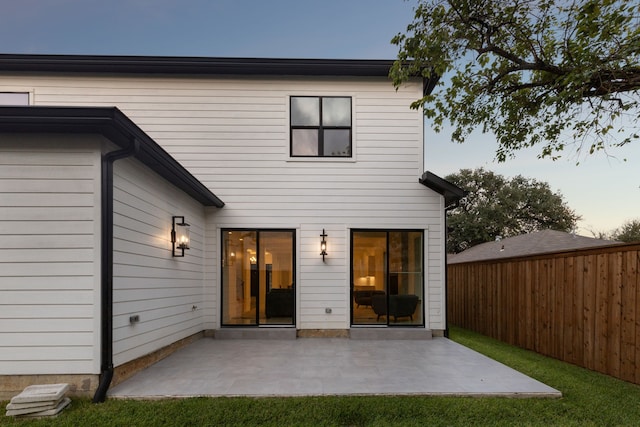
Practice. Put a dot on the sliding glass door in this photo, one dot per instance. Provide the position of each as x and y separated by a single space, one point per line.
387 280
258 278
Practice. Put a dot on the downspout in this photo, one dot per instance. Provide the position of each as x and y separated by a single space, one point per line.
106 284
446 269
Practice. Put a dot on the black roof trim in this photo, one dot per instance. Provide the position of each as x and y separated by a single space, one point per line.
451 192
114 125
193 65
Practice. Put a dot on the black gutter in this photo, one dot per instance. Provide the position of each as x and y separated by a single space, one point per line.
106 287
195 65
114 125
452 195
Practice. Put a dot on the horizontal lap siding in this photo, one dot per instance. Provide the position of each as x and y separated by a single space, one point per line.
49 274
148 281
233 135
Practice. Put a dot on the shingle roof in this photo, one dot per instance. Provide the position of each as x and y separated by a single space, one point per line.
526 245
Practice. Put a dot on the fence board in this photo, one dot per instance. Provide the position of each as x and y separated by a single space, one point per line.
578 306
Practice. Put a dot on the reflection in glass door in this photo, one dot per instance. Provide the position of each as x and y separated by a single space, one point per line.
387 284
258 285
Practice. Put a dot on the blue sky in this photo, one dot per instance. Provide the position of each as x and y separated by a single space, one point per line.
604 189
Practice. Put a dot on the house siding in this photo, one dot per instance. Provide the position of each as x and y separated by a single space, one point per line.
233 135
49 269
165 292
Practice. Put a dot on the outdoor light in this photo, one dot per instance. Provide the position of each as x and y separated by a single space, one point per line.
323 244
179 236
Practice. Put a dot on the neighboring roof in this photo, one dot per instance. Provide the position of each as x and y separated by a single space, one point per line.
451 192
535 243
105 64
114 125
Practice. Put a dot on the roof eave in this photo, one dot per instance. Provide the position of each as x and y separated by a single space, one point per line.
115 126
451 192
193 65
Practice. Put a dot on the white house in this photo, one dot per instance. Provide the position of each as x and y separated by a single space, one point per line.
302 181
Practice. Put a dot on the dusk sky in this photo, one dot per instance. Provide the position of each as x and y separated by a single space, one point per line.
603 189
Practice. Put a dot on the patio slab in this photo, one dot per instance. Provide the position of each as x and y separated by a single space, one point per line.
326 366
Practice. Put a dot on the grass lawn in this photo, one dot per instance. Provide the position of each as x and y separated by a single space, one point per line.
589 399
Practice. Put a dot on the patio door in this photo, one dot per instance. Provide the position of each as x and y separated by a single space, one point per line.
387 280
258 286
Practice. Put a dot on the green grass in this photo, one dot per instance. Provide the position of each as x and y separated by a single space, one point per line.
588 398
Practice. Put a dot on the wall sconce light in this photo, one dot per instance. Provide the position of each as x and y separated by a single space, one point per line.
323 244
179 236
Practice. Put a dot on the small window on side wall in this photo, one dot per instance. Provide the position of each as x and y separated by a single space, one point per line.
14 98
321 126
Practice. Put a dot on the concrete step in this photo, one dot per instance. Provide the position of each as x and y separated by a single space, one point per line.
255 333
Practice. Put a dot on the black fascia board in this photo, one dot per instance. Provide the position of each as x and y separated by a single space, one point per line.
115 126
176 65
192 65
451 192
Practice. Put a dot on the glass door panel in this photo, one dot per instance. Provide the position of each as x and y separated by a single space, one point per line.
405 278
258 277
369 278
276 277
387 280
239 277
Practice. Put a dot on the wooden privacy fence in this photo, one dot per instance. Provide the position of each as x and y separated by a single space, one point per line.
581 306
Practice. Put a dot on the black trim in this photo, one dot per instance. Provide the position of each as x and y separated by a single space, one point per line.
114 125
452 195
257 232
158 65
111 64
451 192
387 273
321 127
106 282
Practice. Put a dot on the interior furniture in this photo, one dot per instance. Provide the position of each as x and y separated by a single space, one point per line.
399 306
363 297
279 303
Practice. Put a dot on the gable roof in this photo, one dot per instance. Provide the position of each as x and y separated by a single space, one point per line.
118 128
535 243
451 192
111 64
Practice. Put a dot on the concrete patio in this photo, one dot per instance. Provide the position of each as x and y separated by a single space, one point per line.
328 366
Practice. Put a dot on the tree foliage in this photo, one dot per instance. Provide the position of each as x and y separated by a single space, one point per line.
497 206
628 232
532 72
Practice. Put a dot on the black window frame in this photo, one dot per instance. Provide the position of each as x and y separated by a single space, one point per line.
321 128
388 273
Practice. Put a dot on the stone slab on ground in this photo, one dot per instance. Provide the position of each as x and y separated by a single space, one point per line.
39 401
41 393
49 412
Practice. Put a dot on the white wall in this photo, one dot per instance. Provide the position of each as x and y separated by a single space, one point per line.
233 135
49 257
165 292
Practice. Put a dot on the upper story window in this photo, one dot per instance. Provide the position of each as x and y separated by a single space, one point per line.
14 98
321 126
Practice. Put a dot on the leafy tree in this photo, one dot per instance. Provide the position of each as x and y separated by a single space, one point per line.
497 206
532 72
628 232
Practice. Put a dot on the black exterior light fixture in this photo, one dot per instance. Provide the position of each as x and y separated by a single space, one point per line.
179 236
323 244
